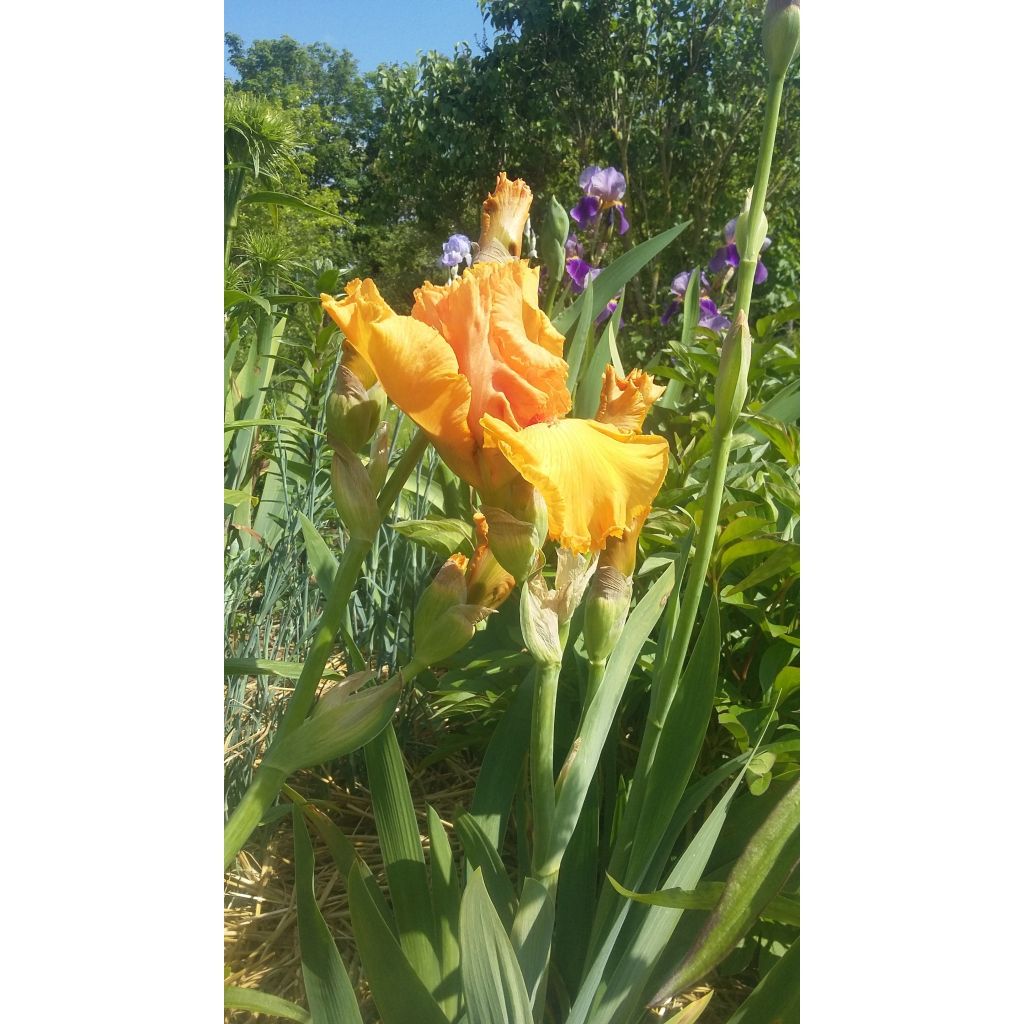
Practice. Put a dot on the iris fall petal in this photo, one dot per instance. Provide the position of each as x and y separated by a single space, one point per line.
595 478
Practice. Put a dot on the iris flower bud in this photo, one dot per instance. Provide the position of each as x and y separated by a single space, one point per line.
605 612
517 530
552 241
354 494
780 34
353 411
342 721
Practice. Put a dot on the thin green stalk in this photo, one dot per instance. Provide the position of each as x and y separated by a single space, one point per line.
748 258
669 670
542 768
595 676
234 182
266 782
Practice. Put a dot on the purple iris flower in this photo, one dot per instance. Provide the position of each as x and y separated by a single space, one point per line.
729 255
455 250
573 247
678 288
711 318
580 272
603 189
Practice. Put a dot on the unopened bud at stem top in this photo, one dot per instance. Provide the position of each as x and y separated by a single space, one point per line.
781 34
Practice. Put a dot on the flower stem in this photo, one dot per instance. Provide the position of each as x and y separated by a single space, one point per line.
669 669
749 256
267 781
542 769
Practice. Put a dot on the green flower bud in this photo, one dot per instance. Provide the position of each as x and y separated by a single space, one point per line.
354 495
516 540
605 612
353 411
444 622
552 241
731 386
780 34
342 721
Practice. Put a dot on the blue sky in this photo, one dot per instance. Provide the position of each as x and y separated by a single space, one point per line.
373 30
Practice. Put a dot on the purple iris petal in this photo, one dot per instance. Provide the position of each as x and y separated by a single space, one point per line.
764 245
587 177
623 223
585 210
761 273
580 272
711 318
572 246
608 183
707 309
455 250
670 311
729 232
682 281
727 256
606 312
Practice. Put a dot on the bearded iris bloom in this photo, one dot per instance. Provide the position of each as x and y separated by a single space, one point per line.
729 255
603 189
580 272
479 367
456 250
678 289
708 315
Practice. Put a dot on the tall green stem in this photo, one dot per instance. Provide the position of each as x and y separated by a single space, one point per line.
748 258
542 769
267 781
670 666
234 182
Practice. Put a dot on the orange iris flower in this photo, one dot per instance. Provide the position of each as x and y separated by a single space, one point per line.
479 367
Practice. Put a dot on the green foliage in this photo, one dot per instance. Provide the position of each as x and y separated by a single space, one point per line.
329 174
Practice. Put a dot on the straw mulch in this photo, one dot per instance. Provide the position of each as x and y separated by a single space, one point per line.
261 941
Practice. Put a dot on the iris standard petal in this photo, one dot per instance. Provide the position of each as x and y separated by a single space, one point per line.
504 216
503 344
415 366
625 401
595 478
760 273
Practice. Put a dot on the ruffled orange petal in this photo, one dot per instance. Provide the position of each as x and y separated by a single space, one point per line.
595 478
416 368
503 344
626 400
504 216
